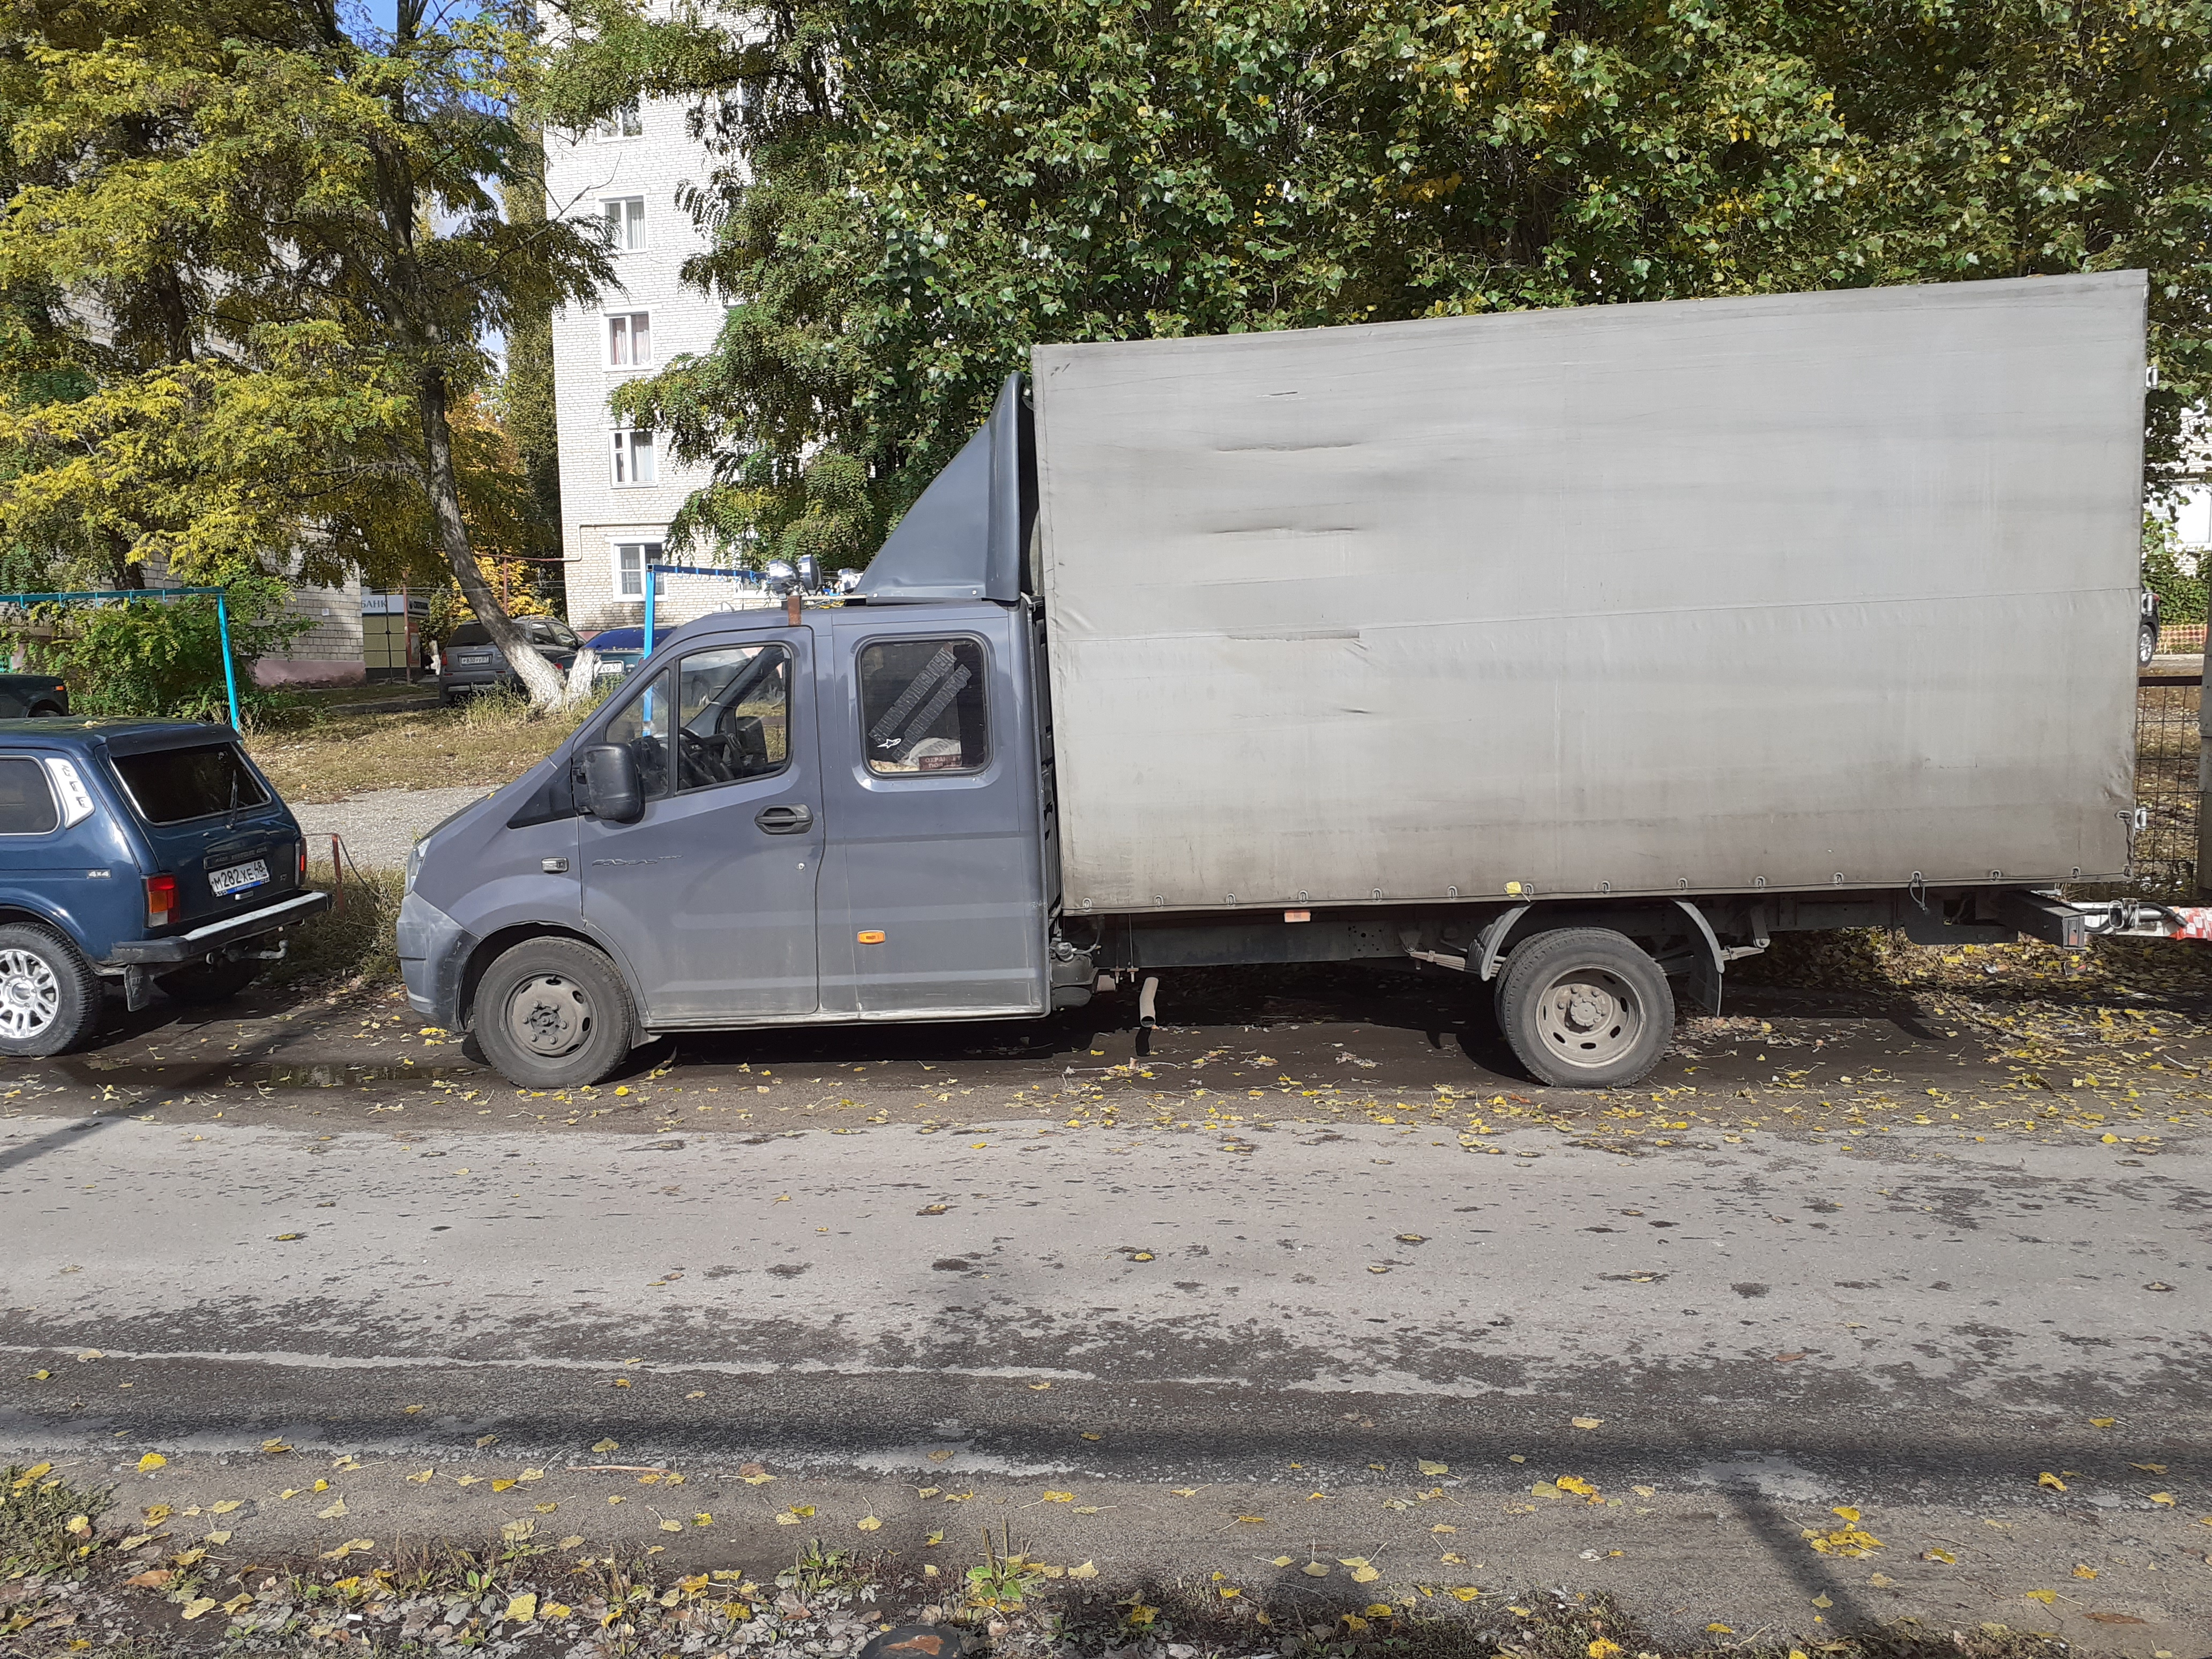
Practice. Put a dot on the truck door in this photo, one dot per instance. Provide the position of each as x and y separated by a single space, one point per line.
933 905
710 895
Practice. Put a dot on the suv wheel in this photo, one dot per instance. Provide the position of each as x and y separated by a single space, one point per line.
553 1013
2146 644
50 997
1584 1008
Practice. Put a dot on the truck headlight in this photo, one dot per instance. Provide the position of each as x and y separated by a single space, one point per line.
414 865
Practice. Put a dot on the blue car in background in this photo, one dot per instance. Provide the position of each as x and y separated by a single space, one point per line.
620 651
140 853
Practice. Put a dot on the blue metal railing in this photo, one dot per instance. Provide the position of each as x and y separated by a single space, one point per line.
737 576
221 620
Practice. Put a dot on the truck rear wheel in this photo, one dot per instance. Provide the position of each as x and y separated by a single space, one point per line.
553 1013
1583 1008
50 997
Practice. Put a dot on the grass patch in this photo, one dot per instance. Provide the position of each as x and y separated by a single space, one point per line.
1531 1624
484 740
534 1598
48 1543
44 1523
356 944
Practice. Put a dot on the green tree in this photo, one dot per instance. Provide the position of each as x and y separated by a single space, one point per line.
2180 586
917 191
282 247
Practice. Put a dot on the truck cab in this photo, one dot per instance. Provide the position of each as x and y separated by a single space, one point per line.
773 823
139 852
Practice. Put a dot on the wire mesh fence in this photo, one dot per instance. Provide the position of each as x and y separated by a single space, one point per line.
2164 851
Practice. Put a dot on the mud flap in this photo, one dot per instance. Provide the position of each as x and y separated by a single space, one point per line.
1707 964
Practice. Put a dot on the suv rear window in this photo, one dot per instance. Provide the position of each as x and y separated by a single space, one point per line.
169 786
469 634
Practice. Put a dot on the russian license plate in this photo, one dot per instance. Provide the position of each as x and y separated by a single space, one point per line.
239 877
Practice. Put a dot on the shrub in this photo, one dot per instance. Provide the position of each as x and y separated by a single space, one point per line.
163 658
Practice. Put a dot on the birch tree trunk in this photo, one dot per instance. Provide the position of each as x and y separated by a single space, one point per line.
539 678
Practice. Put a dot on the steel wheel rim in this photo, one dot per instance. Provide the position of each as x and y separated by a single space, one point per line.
1589 1018
549 1015
30 994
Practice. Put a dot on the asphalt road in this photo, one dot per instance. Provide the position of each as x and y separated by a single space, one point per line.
1284 1288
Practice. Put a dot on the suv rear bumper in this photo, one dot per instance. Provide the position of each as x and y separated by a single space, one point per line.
191 946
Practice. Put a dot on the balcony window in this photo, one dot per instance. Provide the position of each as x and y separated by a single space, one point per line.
629 339
625 223
634 458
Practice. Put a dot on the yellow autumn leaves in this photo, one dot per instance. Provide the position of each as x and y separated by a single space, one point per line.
1850 1539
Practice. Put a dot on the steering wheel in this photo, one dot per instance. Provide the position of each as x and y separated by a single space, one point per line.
703 758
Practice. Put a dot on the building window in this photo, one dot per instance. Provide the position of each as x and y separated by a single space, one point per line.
630 560
628 122
625 222
629 339
632 457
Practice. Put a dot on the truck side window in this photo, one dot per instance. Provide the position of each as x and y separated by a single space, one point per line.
735 714
643 728
921 706
26 805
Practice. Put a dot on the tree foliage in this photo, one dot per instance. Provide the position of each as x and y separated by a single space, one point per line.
275 249
164 657
917 191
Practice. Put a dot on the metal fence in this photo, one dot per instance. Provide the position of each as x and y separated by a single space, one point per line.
2165 849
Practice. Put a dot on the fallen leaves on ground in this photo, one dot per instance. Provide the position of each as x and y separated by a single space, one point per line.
1850 1539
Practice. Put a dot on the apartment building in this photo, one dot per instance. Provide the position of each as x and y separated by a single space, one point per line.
618 486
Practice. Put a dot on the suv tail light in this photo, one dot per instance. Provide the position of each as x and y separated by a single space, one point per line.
303 861
160 900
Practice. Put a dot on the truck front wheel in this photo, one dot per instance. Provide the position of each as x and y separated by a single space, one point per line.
1583 1008
553 1013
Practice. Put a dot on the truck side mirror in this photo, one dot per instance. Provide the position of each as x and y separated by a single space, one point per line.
611 783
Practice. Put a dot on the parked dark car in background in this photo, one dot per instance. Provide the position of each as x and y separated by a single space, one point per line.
2147 629
32 696
619 650
470 662
142 853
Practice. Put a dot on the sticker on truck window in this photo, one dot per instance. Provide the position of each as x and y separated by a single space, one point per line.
922 704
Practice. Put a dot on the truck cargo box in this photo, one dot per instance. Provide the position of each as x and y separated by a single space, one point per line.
1823 591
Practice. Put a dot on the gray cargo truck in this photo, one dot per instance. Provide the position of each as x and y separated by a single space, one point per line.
1577 653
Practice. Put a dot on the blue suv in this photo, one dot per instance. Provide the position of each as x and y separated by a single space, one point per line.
139 852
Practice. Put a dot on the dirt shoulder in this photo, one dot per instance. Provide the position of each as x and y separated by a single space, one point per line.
482 743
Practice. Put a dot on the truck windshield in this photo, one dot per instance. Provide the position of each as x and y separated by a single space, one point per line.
168 786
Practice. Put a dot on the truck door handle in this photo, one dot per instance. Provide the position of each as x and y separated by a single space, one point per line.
784 820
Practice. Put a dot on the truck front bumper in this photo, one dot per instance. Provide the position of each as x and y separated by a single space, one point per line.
203 942
434 949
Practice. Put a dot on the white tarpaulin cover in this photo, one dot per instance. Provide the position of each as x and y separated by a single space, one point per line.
1821 589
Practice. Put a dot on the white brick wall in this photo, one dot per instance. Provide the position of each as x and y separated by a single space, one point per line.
597 514
330 652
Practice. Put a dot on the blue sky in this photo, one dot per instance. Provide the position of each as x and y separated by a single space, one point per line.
379 14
